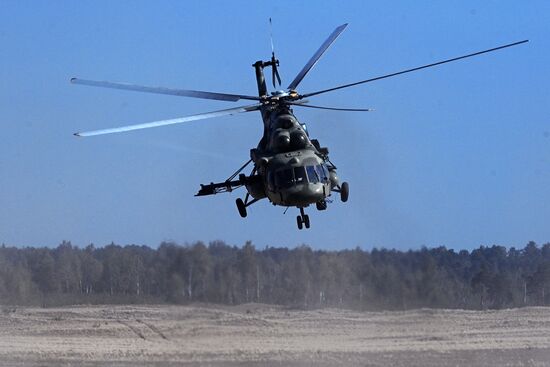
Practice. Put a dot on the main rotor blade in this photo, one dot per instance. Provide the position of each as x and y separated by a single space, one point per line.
332 108
311 63
414 69
201 116
162 90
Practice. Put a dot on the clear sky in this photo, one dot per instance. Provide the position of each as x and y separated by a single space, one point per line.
457 155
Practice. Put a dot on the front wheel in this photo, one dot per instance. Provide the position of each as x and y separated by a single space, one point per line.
306 221
321 205
299 222
344 192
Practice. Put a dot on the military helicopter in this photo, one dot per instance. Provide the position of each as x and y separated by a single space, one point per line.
289 168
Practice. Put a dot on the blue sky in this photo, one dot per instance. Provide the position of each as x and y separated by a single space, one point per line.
457 155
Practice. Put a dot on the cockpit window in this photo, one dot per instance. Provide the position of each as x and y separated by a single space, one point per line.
312 174
300 175
323 172
293 176
284 178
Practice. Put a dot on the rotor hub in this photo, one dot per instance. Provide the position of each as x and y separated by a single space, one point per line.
279 93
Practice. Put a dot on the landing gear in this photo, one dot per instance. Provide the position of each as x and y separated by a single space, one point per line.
321 205
241 205
344 192
302 220
306 221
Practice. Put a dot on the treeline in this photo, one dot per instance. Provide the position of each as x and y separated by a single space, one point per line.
487 277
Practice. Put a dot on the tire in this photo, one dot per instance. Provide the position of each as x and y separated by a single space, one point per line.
344 192
306 220
321 205
241 207
299 221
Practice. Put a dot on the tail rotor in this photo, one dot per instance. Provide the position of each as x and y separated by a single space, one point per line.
275 77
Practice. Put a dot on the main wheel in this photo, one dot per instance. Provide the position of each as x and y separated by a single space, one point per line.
299 221
241 207
306 220
344 192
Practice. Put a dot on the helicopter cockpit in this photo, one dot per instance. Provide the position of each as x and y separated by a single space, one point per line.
288 177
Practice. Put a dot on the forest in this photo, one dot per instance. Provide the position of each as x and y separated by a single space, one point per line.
489 277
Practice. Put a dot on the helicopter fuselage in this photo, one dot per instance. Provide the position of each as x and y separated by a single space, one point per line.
292 169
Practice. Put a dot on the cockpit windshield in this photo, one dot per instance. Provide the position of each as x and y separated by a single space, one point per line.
312 174
288 177
284 178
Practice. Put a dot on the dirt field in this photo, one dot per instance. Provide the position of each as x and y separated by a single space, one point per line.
253 334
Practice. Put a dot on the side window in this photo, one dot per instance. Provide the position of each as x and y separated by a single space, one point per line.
300 175
325 170
312 174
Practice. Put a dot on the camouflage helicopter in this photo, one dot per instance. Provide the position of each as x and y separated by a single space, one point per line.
289 168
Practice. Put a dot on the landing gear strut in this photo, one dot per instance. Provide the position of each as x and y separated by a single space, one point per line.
241 205
302 219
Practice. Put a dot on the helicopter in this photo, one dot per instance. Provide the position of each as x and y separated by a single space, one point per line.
290 169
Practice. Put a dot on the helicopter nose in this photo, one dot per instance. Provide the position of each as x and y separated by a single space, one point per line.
305 194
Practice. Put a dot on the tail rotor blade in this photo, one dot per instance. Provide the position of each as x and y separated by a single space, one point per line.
271 36
273 72
275 77
278 76
180 120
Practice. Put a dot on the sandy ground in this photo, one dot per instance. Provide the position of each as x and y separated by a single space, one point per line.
252 334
